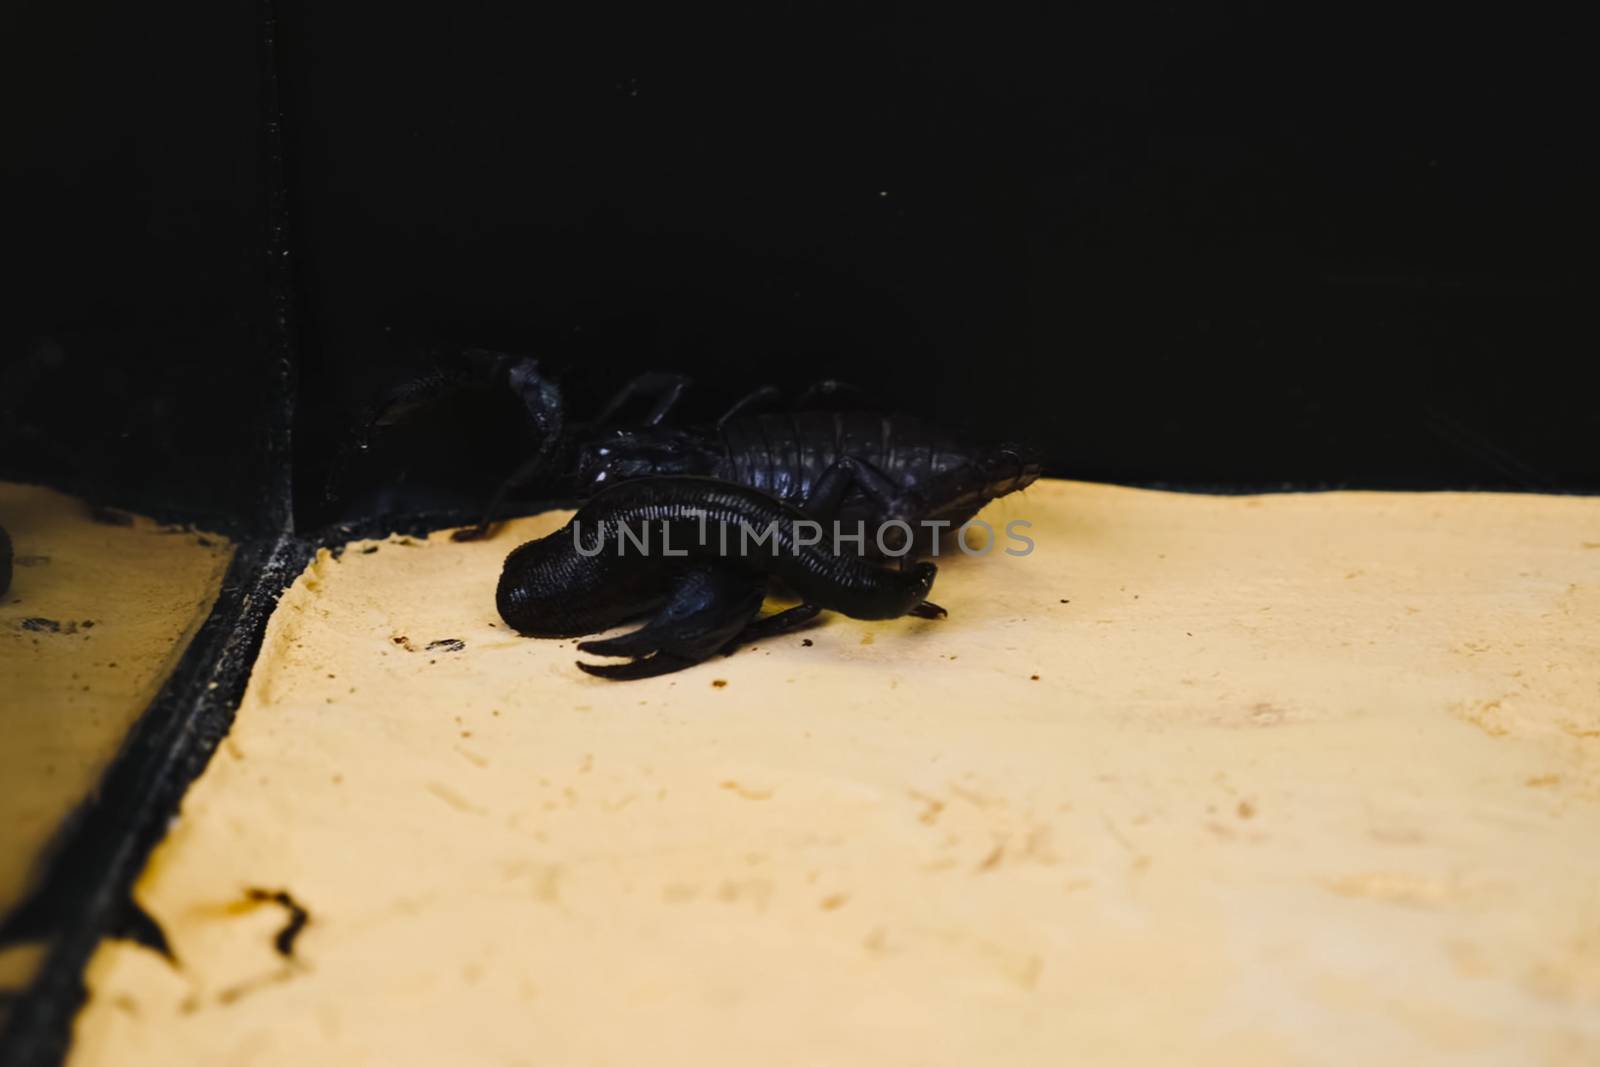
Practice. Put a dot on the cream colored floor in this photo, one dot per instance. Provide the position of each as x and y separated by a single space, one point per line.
97 616
1291 779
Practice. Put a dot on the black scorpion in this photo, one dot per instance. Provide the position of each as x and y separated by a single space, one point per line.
752 467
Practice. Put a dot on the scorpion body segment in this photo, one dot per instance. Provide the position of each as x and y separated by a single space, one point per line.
893 467
930 474
866 466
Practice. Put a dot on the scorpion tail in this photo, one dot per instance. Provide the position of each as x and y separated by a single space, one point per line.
541 399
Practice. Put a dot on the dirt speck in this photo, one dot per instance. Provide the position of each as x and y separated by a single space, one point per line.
299 917
930 813
718 683
1265 714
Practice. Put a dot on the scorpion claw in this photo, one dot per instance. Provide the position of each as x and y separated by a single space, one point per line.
633 670
929 610
638 643
709 608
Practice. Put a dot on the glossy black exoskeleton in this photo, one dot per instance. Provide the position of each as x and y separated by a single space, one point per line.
704 577
890 466
860 469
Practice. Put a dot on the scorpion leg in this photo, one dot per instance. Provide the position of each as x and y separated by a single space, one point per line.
822 504
846 472
667 389
781 622
829 492
768 395
960 491
709 608
755 398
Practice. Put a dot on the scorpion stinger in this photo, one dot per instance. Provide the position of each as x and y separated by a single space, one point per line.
472 369
541 399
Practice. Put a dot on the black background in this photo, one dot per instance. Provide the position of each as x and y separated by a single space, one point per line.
133 321
1224 246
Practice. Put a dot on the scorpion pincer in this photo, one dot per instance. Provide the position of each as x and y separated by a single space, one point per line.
701 555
